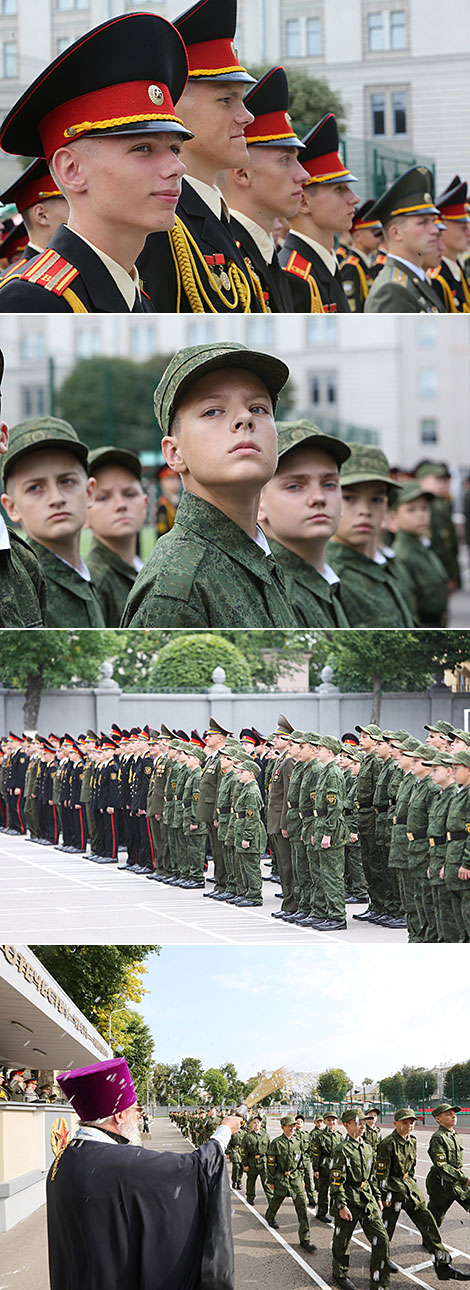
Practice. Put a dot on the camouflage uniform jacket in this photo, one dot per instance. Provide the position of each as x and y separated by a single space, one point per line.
23 597
395 1167
71 601
352 1180
419 805
329 807
423 578
371 593
315 602
446 1152
113 579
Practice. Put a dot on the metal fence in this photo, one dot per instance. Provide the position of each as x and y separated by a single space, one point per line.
377 166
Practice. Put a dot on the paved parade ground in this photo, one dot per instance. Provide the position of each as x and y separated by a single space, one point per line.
264 1258
51 896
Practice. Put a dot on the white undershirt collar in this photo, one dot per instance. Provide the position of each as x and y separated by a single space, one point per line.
210 194
264 240
81 568
329 575
415 268
261 540
328 257
4 536
127 283
379 558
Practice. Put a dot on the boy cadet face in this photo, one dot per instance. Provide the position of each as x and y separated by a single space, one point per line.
275 178
49 493
364 510
413 517
303 500
131 181
225 434
331 206
218 118
119 506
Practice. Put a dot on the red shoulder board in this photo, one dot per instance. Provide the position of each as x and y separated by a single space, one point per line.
350 259
296 264
50 270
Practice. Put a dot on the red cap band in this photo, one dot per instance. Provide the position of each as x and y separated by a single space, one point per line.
213 58
115 105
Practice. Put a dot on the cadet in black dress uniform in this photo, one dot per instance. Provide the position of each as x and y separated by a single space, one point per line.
449 280
358 269
42 205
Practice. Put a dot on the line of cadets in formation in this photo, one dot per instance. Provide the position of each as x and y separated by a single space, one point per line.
259 209
378 818
360 1177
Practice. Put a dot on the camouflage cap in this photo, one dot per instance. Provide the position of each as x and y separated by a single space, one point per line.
464 735
407 745
374 732
189 365
444 758
426 753
404 1113
395 735
366 464
38 433
442 728
298 736
305 737
354 754
247 763
410 493
461 759
114 457
292 433
411 194
193 750
444 1106
436 468
329 741
352 1113
287 1119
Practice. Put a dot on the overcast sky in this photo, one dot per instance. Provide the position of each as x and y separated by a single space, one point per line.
368 1010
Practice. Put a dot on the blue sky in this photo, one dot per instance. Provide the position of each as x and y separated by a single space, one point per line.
367 1010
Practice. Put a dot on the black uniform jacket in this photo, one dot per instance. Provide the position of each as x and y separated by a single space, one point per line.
333 297
124 1218
275 283
213 236
89 281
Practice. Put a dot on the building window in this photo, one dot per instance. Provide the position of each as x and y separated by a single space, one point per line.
293 38
260 330
399 113
398 29
322 331
428 383
314 41
201 331
87 342
331 388
315 389
7 7
376 30
324 389
426 331
63 5
428 430
10 60
377 104
33 401
62 43
33 347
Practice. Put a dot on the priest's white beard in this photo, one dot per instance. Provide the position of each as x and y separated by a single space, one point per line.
131 1132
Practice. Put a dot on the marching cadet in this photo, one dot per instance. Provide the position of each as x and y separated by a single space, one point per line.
249 833
268 185
357 268
449 280
323 1147
276 819
395 1172
407 211
284 1178
371 594
116 515
300 510
372 1134
418 566
254 1157
197 267
304 1138
42 205
194 831
111 137
329 837
234 1153
446 1180
440 925
23 586
355 1198
215 567
327 208
46 488
434 478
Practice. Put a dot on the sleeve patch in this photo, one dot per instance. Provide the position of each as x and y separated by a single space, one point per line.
331 798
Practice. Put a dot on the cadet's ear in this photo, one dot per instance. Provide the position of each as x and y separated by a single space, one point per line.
91 489
241 177
69 166
304 208
10 508
173 456
262 515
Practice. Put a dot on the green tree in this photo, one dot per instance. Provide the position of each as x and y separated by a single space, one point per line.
189 1077
419 1083
393 1089
136 1045
98 977
399 660
188 662
310 98
216 1085
457 1082
333 1084
235 1086
110 400
163 1083
32 661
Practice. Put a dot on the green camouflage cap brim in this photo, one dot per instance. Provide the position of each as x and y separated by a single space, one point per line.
374 732
290 434
308 737
194 751
431 468
410 493
408 745
352 753
114 457
298 736
250 765
189 365
444 759
352 1113
365 465
427 754
461 759
329 741
464 735
404 1113
443 1107
40 433
411 194
442 728
287 1119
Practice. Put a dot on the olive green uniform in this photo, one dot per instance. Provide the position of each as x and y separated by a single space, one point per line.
207 813
329 820
354 876
372 861
207 572
390 892
312 896
353 1185
440 919
423 578
398 289
227 792
276 822
395 1171
249 827
284 1174
303 1137
457 854
113 579
71 601
254 1153
419 806
446 1180
23 597
322 1151
444 538
315 602
398 855
155 806
234 1152
371 594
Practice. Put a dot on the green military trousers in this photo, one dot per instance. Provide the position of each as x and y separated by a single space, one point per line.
371 1222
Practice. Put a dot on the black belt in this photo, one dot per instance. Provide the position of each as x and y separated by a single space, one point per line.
458 837
416 837
348 810
437 842
400 819
380 809
362 805
319 814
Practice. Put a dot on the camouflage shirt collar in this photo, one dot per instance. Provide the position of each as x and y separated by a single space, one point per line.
198 516
305 573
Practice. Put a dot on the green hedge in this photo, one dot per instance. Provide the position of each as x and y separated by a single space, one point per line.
187 664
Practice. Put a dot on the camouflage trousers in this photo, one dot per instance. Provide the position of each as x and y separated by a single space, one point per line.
417 1210
442 1194
293 1187
301 875
354 876
318 907
253 1172
371 859
323 1190
248 863
196 854
220 876
160 845
373 1228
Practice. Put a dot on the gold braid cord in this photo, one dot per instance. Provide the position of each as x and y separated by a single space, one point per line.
56 1161
316 304
190 267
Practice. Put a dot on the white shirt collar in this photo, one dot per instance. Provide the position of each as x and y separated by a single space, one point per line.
4 536
262 541
415 268
454 268
264 240
328 257
81 568
362 255
137 563
128 283
388 552
425 541
329 575
210 194
379 558
34 247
